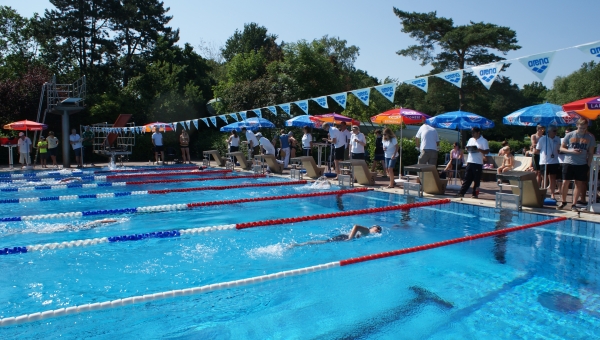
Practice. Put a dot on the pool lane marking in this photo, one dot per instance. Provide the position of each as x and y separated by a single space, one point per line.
121 184
44 174
190 231
561 233
145 192
253 280
175 207
88 175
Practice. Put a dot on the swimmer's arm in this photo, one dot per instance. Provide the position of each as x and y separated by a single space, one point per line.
358 228
293 245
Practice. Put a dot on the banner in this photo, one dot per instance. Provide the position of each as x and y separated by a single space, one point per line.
243 115
322 101
224 117
340 98
258 113
285 108
387 90
363 95
187 124
453 77
591 49
303 104
421 83
487 73
273 110
205 121
234 116
538 64
213 120
195 121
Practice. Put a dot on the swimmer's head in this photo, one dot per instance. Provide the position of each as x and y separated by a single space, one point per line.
375 229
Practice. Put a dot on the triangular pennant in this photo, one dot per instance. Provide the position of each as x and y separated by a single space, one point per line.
322 101
340 98
187 124
422 83
363 95
234 116
302 104
273 109
258 113
205 121
387 90
591 49
224 117
195 121
488 73
285 108
243 115
538 64
213 120
453 77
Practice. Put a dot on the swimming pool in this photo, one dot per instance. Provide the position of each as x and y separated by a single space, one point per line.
536 283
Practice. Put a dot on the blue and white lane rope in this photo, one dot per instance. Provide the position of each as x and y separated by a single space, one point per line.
58 173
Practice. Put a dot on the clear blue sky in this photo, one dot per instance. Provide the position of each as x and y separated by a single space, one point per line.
372 26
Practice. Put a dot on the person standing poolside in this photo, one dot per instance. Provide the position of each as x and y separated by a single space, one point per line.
184 144
390 149
357 143
157 141
75 141
52 147
427 140
233 141
284 142
578 147
338 140
24 146
266 144
307 142
347 135
477 147
88 146
357 232
549 148
293 144
379 154
253 146
536 153
42 147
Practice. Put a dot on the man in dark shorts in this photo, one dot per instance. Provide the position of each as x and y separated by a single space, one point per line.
356 232
578 147
339 142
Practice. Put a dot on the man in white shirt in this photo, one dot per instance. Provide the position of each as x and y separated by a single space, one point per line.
477 147
338 140
357 144
266 144
157 141
427 140
24 145
253 147
549 148
347 135
75 141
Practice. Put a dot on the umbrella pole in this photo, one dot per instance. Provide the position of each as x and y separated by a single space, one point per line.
400 155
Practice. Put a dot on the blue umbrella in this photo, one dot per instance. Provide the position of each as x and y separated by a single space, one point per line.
252 124
543 114
300 121
460 120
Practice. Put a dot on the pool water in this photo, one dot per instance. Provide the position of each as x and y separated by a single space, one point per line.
536 283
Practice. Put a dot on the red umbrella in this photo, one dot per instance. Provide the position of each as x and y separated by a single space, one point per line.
333 118
588 107
161 126
399 116
26 125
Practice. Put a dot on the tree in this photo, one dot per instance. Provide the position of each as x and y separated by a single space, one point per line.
18 49
535 92
20 96
252 39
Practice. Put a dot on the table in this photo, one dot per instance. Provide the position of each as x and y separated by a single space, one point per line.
10 153
320 147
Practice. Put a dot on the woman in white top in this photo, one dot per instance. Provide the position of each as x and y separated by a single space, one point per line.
390 149
233 141
306 142
357 143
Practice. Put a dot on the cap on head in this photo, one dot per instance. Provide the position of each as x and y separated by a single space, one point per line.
378 228
21 134
42 137
290 133
258 134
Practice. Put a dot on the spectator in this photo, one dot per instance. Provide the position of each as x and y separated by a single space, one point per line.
307 143
427 141
75 141
184 143
549 148
379 154
24 146
42 147
457 158
284 142
337 139
293 144
536 154
157 141
477 146
52 147
346 136
233 141
253 147
357 143
88 145
390 149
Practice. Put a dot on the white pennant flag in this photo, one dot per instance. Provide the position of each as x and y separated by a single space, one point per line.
363 95
273 109
591 49
258 113
340 98
488 73
243 115
422 83
538 64
303 104
213 120
205 121
322 101
285 108
188 124
387 90
234 116
453 77
195 121
224 117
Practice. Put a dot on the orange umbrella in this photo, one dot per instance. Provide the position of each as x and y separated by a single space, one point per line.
334 118
588 107
399 116
164 127
25 125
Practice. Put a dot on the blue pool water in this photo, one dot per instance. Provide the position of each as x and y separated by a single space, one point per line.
537 283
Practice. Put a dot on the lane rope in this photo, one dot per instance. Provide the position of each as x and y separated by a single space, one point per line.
26 318
41 174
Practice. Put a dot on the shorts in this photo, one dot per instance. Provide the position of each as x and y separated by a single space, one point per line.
306 152
380 157
232 148
575 172
159 148
358 155
256 150
53 152
24 160
339 153
536 162
390 162
44 155
77 152
428 157
550 169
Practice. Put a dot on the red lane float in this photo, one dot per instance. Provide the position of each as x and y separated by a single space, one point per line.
165 174
340 214
447 242
223 187
155 181
272 198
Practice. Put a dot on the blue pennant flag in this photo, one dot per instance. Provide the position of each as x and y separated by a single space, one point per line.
258 113
538 64
285 108
340 98
195 121
363 95
322 101
387 90
273 109
243 115
224 117
488 73
422 83
205 121
234 116
213 120
302 104
453 77
187 124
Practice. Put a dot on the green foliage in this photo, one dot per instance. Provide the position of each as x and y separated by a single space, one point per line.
253 38
535 92
246 67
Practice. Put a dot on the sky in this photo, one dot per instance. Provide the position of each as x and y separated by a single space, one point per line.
541 26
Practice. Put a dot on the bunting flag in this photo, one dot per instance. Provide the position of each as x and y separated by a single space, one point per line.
273 109
322 101
234 116
340 98
213 120
205 121
243 115
421 83
538 64
453 77
195 121
224 117
285 108
363 95
488 73
303 104
187 125
258 113
591 49
387 90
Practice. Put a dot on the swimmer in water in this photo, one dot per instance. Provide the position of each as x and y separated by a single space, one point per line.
357 232
70 180
93 224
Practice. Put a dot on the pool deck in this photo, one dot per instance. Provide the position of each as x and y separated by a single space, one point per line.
486 198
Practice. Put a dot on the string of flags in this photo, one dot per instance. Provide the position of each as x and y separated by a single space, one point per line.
538 64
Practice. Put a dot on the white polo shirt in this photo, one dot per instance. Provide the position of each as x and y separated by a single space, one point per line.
340 138
480 143
250 137
429 137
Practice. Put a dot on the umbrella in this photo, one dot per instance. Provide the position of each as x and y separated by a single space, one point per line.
300 121
588 107
460 120
252 124
26 125
333 118
400 116
543 114
164 126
